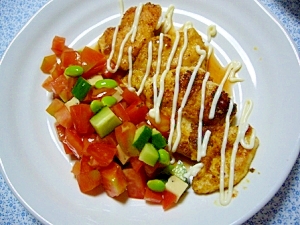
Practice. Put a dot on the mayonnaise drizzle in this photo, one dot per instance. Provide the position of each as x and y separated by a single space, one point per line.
176 88
230 74
131 33
130 69
167 23
225 197
158 100
211 32
149 62
202 54
154 78
202 145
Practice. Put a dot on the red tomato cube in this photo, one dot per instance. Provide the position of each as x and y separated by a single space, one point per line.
113 180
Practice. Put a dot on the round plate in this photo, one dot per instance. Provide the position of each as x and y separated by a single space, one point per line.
36 168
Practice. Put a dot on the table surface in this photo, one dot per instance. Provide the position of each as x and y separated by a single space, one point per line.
284 207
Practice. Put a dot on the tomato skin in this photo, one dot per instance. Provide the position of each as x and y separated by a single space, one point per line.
125 135
113 180
169 200
130 96
135 163
69 57
48 63
74 142
103 153
60 130
136 183
89 180
120 112
137 112
153 196
81 115
93 62
58 45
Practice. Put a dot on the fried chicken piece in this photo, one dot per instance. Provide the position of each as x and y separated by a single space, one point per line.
190 56
190 113
148 20
208 178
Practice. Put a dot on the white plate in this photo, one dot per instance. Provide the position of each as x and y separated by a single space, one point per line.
38 172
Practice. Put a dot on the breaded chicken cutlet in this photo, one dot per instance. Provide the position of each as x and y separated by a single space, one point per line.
208 178
149 18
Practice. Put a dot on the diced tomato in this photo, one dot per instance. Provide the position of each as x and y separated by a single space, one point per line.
169 200
57 71
120 112
93 62
59 84
102 153
85 164
76 168
101 92
136 183
70 57
135 163
137 112
68 151
60 130
58 45
113 180
87 140
153 196
81 115
48 63
89 180
110 139
54 106
151 171
63 117
130 96
163 126
47 84
74 142
125 135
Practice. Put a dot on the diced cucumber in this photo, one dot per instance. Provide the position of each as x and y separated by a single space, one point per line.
81 88
142 136
105 121
149 154
158 140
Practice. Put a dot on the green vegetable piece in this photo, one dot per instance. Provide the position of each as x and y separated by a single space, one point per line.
96 105
105 121
73 71
142 136
149 154
179 170
158 140
156 185
106 83
108 101
81 88
164 157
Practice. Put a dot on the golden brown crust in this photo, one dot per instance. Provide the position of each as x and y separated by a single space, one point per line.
147 23
208 179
